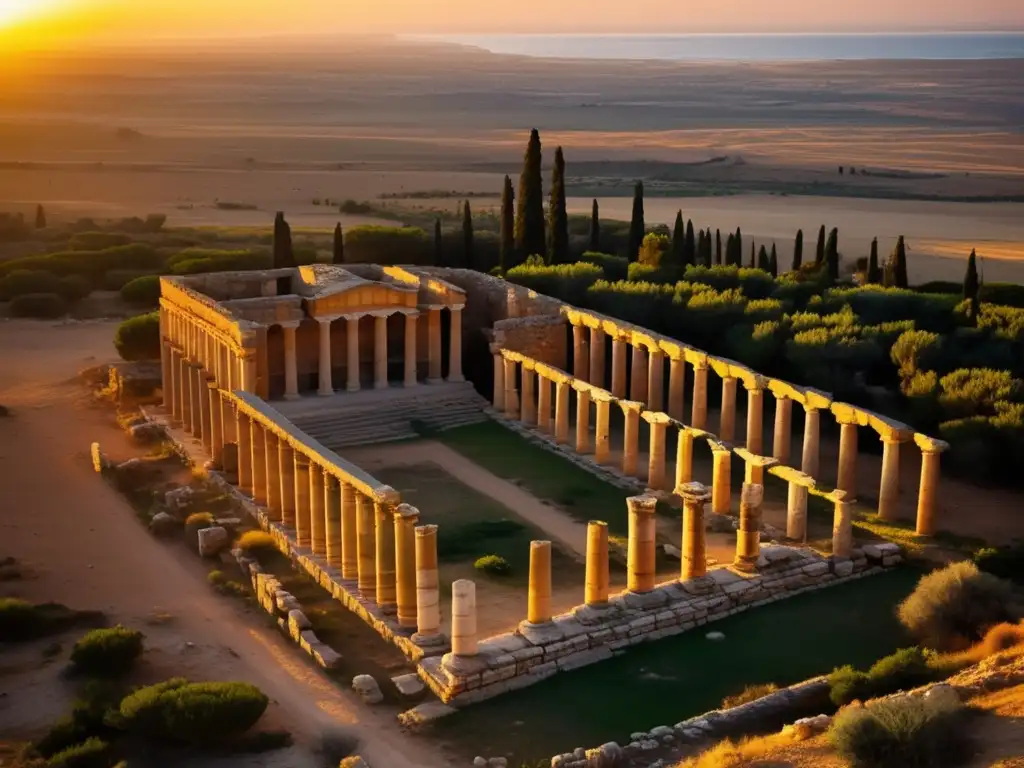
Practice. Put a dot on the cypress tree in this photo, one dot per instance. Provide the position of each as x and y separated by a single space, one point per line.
739 248
507 254
798 250
529 229
819 251
773 262
709 247
762 259
832 254
753 261
636 223
283 254
339 245
439 243
40 217
874 274
558 224
718 247
595 229
730 248
899 263
690 254
679 242
971 286
468 259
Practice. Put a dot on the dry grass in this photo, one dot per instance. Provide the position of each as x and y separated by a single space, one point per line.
733 754
1002 638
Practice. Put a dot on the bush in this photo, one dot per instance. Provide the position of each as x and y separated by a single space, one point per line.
196 522
493 565
1004 294
25 281
38 305
138 338
388 245
142 291
107 652
1004 562
953 607
615 268
907 668
568 282
19 620
74 288
193 713
91 753
97 241
256 542
192 261
900 733
749 694
116 279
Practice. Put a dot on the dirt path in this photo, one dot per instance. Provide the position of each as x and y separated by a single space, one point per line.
570 533
82 546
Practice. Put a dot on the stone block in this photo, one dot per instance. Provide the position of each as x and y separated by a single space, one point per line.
842 567
425 713
325 656
816 569
367 688
213 541
408 685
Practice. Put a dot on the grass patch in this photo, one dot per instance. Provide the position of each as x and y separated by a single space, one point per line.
749 694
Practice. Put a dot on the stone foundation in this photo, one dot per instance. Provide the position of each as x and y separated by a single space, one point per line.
588 634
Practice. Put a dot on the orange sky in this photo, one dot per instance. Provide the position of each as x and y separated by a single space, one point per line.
217 18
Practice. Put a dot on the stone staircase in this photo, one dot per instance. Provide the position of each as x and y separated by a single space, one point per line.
380 416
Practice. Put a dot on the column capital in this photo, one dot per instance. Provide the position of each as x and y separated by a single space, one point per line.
930 444
289 325
387 495
754 384
694 492
644 504
406 512
328 319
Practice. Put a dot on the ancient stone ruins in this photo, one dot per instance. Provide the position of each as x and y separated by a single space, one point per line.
272 371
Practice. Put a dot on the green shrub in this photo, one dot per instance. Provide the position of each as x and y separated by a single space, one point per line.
91 753
97 241
952 608
639 272
196 522
107 652
193 261
493 565
63 734
975 392
904 669
1004 294
142 291
90 264
23 281
74 288
568 282
615 268
256 542
388 245
138 338
1004 562
908 732
116 279
38 305
193 713
19 620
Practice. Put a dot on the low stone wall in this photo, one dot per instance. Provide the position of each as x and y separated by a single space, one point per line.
589 634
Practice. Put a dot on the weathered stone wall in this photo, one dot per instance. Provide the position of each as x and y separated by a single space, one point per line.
543 338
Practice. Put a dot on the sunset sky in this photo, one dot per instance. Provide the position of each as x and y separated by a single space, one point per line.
106 19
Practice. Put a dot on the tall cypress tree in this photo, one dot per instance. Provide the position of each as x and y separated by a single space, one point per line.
678 250
507 249
558 223
972 286
709 249
899 264
595 229
40 217
529 229
439 243
739 248
773 262
339 245
690 253
636 223
753 260
762 259
468 258
730 248
832 254
283 254
874 274
798 250
819 251
718 247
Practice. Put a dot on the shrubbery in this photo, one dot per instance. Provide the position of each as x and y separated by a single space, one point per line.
905 669
493 565
1004 562
388 245
24 281
91 753
138 338
196 522
615 268
256 542
571 281
142 291
39 305
107 652
192 261
749 694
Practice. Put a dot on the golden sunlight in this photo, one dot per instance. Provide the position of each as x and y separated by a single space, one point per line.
15 10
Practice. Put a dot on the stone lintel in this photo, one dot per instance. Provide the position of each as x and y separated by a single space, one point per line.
657 417
755 459
815 399
849 414
783 389
755 382
630 405
838 495
930 444
595 392
726 368
674 350
697 358
718 446
529 364
557 375
791 475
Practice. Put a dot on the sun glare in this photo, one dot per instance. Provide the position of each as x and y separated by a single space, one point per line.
16 10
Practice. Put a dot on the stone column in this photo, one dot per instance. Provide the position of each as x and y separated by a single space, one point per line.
205 414
185 376
812 428
748 534
796 512
842 525
684 457
638 376
455 345
755 420
166 385
641 552
326 381
694 550
582 421
562 411
464 618
434 345
538 609
259 463
195 372
303 533
244 452
366 545
699 419
619 367
499 383
543 402
727 416
528 398
783 428
889 493
291 365
596 357
286 470
928 490
602 438
630 441
352 352
428 609
721 490
580 361
410 350
270 444
848 460
596 593
511 398
216 425
175 389
405 519
385 546
656 380
317 512
247 363
332 518
349 533
677 388
656 462
380 352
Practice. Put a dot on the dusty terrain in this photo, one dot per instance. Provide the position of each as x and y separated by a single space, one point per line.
80 543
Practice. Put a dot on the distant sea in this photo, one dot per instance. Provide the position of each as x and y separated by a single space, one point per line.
753 47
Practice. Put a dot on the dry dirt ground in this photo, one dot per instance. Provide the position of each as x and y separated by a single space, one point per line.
81 545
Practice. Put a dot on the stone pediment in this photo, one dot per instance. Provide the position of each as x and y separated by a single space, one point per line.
332 290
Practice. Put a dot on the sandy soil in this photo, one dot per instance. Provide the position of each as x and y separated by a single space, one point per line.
84 547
